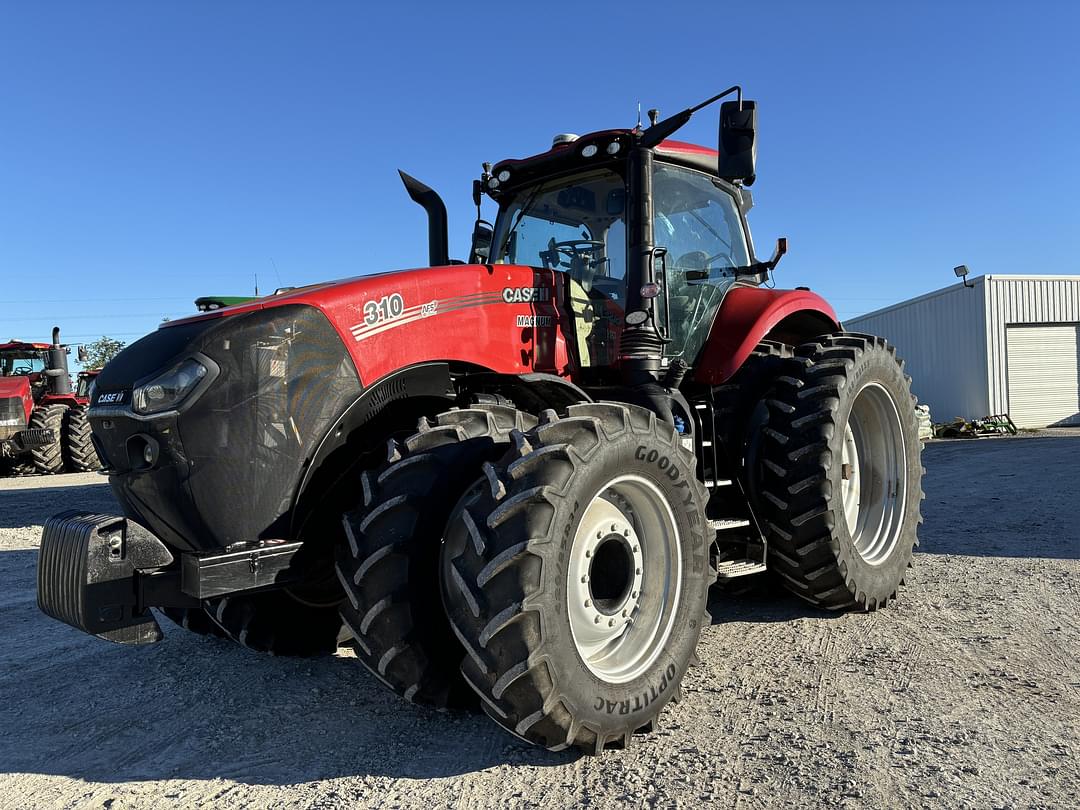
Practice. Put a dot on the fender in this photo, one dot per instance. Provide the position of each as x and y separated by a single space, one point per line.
427 380
750 314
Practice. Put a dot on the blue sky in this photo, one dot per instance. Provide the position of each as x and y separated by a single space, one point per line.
154 152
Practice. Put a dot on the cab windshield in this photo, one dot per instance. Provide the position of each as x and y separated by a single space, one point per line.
21 363
574 224
698 226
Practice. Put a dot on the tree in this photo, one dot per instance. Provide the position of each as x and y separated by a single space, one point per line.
101 351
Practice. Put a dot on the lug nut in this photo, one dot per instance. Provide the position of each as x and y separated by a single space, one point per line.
638 571
611 623
585 578
596 620
588 603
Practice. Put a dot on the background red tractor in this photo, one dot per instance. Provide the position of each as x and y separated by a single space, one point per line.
508 482
43 422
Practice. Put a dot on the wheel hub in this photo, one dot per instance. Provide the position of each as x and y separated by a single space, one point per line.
606 573
623 579
873 473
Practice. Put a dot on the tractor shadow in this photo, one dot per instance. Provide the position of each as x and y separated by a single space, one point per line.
199 708
759 599
28 501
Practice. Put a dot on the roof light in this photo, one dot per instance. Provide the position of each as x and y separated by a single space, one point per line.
493 182
564 138
504 175
650 290
589 150
613 147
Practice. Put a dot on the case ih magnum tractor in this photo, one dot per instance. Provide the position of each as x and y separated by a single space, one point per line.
43 423
509 482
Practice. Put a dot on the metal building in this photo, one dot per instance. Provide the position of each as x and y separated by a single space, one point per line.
1007 344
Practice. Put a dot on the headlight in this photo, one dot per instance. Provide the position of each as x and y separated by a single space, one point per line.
167 390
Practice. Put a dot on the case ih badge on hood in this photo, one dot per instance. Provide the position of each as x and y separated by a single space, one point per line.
515 477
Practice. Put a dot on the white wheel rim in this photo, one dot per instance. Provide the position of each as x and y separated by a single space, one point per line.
873 482
624 577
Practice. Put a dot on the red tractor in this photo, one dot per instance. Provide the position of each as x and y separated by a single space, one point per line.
508 482
43 423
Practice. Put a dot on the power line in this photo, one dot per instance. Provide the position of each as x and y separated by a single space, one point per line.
99 316
100 300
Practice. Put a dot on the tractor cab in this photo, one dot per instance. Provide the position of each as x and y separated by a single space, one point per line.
18 359
650 233
576 222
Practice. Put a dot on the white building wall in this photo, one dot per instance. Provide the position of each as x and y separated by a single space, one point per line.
1022 299
942 337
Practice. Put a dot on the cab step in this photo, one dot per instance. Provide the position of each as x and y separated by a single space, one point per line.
729 569
722 482
727 524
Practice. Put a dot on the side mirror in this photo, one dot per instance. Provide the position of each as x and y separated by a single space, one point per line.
778 254
482 236
738 141
83 356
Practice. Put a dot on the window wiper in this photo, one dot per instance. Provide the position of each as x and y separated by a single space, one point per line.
522 212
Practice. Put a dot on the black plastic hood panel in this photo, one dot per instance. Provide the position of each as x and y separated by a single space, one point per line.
227 463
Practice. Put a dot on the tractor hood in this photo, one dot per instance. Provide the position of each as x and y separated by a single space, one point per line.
16 388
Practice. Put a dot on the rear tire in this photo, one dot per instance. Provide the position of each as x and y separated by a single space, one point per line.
839 474
49 458
547 608
389 567
79 452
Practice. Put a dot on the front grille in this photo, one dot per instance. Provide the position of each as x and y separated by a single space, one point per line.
12 417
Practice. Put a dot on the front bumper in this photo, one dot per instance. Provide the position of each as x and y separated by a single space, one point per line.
102 573
23 441
87 575
34 437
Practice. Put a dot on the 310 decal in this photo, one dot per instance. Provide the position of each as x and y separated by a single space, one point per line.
385 309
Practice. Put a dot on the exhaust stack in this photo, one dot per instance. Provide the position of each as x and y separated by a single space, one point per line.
438 235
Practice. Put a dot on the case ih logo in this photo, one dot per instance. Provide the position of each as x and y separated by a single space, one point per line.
526 295
110 398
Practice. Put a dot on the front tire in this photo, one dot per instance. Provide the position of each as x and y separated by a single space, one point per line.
389 568
839 475
49 458
575 576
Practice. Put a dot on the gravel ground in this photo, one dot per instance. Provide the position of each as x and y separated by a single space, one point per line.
966 693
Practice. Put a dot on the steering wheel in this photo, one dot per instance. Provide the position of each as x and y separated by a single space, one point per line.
572 249
580 264
21 371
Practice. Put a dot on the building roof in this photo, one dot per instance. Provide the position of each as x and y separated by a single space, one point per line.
977 280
